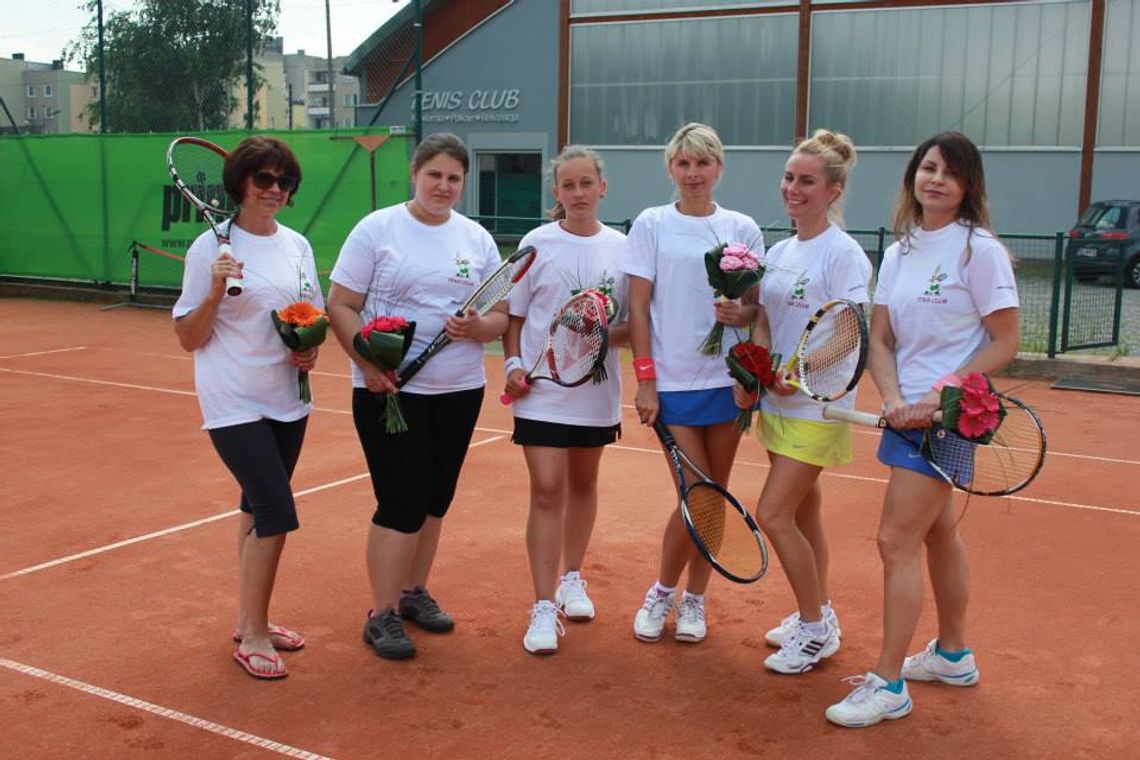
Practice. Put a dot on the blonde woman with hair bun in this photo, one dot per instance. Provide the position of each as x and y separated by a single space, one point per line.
818 264
672 309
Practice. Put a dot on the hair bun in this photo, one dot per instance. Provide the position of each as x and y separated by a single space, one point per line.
838 142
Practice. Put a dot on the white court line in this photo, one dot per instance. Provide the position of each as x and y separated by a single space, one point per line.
98 382
189 525
45 353
872 479
163 712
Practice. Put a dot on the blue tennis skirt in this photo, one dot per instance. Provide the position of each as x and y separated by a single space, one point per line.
697 408
900 448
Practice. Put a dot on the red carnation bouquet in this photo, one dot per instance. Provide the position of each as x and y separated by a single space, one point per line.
384 342
732 269
755 369
301 326
973 410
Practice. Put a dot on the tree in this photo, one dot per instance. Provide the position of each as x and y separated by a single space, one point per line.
173 65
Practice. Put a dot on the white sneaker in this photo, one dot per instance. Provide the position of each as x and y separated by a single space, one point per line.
571 597
802 651
545 628
870 703
928 665
650 621
787 628
690 620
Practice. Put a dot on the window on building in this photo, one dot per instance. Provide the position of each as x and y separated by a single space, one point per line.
48 91
350 100
637 83
1009 74
31 112
31 91
509 185
1118 124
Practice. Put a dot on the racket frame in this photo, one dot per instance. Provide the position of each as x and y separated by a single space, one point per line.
877 421
796 367
680 460
220 219
547 357
526 254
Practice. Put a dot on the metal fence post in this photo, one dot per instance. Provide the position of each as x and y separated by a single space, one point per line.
1055 300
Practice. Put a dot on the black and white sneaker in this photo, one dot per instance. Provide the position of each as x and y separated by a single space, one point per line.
802 651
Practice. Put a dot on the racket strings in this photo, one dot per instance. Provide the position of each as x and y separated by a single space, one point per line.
200 169
500 284
832 355
577 342
723 531
1005 465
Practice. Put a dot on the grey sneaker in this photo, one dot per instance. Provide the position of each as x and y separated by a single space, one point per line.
385 634
419 607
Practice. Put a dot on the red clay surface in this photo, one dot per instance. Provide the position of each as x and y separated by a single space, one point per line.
102 445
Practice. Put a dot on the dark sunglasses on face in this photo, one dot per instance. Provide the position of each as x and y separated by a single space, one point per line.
265 180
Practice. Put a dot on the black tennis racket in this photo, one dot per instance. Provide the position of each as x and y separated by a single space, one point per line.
831 353
196 166
576 344
492 291
1003 466
723 531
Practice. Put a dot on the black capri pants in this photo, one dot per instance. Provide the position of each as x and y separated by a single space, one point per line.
261 455
414 473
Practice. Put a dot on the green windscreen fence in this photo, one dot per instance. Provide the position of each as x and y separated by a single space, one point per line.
72 205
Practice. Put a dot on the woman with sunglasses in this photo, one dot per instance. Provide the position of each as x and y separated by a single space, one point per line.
246 378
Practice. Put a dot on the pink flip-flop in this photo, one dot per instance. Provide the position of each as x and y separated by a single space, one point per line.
281 638
246 661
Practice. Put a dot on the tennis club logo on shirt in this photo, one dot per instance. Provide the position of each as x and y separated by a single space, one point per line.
462 267
798 287
933 292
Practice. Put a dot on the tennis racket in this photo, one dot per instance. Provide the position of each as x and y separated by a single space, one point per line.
576 344
196 166
832 352
1003 466
492 291
723 531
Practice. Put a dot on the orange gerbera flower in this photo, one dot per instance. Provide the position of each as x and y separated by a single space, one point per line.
300 314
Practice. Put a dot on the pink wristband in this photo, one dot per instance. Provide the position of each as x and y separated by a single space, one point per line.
644 369
949 379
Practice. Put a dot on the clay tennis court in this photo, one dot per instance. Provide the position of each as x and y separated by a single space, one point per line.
117 590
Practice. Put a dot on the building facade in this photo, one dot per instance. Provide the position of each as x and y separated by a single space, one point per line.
1049 90
44 98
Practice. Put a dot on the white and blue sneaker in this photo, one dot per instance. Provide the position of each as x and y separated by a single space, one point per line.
932 665
872 701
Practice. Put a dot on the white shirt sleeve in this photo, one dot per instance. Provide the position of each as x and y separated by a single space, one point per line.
989 277
356 264
849 274
196 277
887 275
640 255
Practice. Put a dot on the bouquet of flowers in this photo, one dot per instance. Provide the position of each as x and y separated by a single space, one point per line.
973 409
301 326
732 269
384 342
755 369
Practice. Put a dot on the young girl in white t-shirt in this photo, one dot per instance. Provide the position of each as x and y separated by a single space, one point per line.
672 309
419 260
945 305
563 430
820 263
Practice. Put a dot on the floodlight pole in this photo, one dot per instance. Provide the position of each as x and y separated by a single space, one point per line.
418 28
249 64
102 75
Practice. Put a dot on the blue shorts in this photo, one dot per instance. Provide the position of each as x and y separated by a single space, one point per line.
900 448
697 408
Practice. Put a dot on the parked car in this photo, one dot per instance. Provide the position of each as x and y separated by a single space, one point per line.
1106 230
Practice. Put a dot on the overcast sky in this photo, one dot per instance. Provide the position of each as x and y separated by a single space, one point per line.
40 29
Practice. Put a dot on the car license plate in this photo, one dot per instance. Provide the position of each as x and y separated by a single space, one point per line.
1088 253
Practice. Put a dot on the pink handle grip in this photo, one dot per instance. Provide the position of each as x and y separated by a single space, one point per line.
507 399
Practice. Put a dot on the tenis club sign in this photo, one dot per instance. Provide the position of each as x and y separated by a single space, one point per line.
471 107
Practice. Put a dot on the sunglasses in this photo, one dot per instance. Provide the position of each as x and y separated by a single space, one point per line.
265 180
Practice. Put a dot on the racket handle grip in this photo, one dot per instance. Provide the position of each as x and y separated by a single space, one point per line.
839 414
233 284
507 399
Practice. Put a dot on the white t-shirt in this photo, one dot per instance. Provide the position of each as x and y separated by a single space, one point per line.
566 264
800 278
668 248
242 373
936 300
423 273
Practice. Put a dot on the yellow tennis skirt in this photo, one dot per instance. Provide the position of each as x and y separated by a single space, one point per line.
824 444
